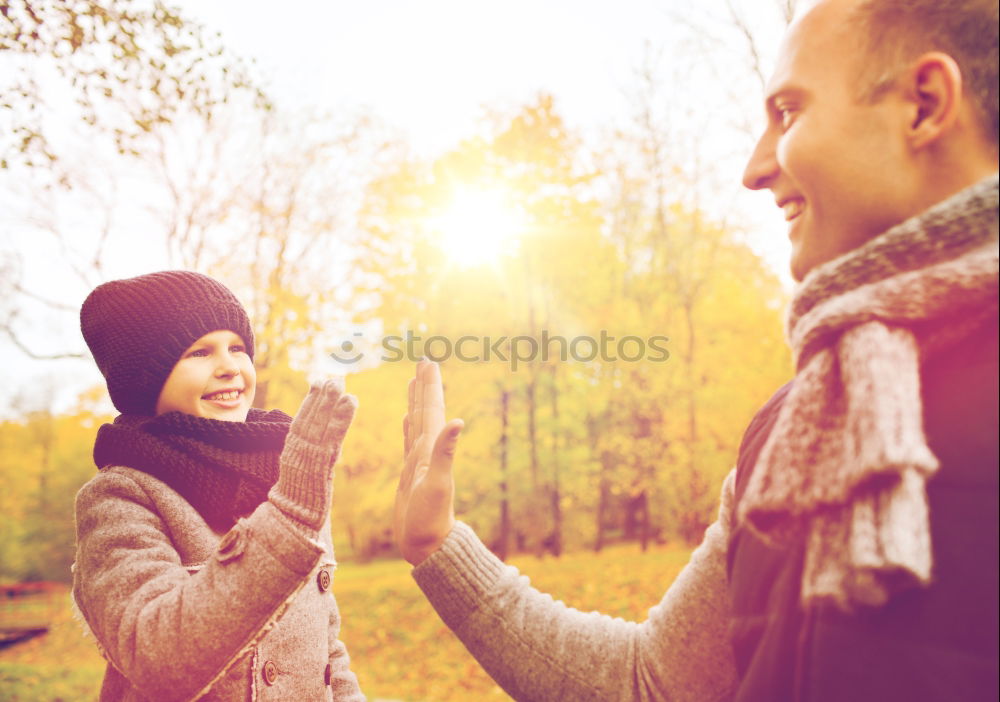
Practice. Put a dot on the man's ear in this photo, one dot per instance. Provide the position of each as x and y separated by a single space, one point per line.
934 93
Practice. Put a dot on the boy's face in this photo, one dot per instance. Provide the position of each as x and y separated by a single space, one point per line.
214 378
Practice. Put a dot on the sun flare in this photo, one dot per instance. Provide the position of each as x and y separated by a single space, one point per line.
478 227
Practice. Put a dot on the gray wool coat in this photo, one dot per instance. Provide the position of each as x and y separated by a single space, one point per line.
181 612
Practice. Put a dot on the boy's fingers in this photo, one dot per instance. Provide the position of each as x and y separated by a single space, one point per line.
322 413
339 420
345 408
309 402
319 410
334 384
305 417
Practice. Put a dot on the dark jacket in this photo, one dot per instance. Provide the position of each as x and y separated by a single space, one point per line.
936 643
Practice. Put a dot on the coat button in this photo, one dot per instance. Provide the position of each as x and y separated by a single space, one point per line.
270 672
231 545
328 674
323 580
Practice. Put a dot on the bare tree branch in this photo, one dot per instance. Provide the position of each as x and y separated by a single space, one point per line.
31 354
740 24
45 301
787 8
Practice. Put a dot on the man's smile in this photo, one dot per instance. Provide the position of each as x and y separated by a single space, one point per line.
792 207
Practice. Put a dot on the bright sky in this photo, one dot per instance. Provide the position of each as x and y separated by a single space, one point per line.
428 68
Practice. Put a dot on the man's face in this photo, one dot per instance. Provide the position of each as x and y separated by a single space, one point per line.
214 378
837 167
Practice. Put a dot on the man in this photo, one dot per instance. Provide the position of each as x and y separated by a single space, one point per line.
855 553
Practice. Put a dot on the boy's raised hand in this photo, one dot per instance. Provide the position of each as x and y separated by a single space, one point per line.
425 513
324 417
303 489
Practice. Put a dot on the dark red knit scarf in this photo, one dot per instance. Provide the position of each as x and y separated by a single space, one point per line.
224 469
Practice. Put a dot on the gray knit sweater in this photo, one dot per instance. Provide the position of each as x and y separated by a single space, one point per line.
537 648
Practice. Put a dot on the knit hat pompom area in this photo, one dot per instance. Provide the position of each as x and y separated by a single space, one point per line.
138 328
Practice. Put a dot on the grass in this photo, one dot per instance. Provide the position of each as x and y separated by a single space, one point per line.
399 648
59 666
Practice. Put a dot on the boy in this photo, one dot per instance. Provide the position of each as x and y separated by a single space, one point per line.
204 559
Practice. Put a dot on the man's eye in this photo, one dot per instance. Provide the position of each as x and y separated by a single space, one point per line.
784 116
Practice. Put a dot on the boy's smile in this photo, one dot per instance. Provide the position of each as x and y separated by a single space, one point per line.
214 378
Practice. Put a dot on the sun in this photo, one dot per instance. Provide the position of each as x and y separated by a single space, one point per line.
478 226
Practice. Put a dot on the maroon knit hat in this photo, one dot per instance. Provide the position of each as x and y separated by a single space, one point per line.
137 329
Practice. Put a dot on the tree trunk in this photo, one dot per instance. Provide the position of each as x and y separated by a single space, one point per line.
503 543
604 488
260 394
602 501
691 383
637 518
530 392
644 523
556 499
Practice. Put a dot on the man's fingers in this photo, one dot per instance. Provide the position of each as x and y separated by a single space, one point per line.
411 399
444 448
418 455
423 508
431 409
403 491
406 435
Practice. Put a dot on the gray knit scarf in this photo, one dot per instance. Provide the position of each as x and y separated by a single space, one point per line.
847 462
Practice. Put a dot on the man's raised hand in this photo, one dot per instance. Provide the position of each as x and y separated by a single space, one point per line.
425 513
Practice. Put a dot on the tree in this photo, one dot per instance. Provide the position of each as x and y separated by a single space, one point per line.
181 144
93 91
660 170
533 159
44 458
130 66
290 245
569 452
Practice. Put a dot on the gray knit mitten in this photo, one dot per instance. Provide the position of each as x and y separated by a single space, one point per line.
304 483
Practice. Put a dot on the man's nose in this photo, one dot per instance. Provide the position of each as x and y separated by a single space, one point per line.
762 168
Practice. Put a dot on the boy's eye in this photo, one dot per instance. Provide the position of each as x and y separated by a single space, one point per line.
237 348
198 353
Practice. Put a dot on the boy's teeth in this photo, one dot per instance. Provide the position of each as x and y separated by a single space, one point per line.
231 395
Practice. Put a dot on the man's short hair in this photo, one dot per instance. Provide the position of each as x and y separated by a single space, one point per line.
895 32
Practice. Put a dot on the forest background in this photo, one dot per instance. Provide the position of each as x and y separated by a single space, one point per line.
132 139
